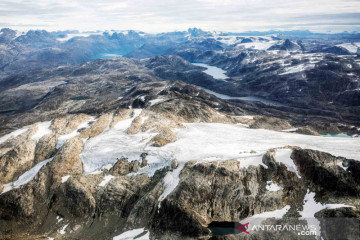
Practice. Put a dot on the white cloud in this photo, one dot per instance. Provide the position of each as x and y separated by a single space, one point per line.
168 15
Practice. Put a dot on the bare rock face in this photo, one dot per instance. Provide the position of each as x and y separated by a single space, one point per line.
98 126
144 162
120 115
215 191
67 160
135 125
78 196
45 147
270 123
68 123
174 164
324 173
347 219
19 158
164 137
207 192
307 131
326 128
191 110
124 167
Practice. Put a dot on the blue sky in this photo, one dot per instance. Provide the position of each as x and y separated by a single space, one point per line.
169 15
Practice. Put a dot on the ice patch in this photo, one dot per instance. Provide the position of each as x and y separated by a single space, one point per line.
259 45
156 101
297 68
247 117
106 180
215 72
272 187
25 177
62 230
200 141
257 219
290 130
114 143
351 47
283 156
59 219
311 207
340 164
63 138
144 119
42 130
65 178
255 160
132 235
171 180
13 134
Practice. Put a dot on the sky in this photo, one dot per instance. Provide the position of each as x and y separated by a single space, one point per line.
169 15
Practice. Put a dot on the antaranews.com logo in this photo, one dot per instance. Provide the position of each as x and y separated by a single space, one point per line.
304 230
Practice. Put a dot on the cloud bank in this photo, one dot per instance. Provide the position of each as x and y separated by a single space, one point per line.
170 15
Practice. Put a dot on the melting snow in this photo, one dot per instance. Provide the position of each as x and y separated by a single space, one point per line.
62 139
59 219
272 187
199 141
259 45
258 218
247 117
106 180
65 178
42 130
25 177
132 234
340 164
311 207
205 142
297 68
171 180
13 134
283 156
62 230
114 143
290 130
351 47
156 101
247 161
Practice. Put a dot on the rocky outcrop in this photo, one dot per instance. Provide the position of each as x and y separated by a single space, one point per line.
270 123
124 167
307 131
18 156
164 137
207 193
287 45
215 191
67 160
324 173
